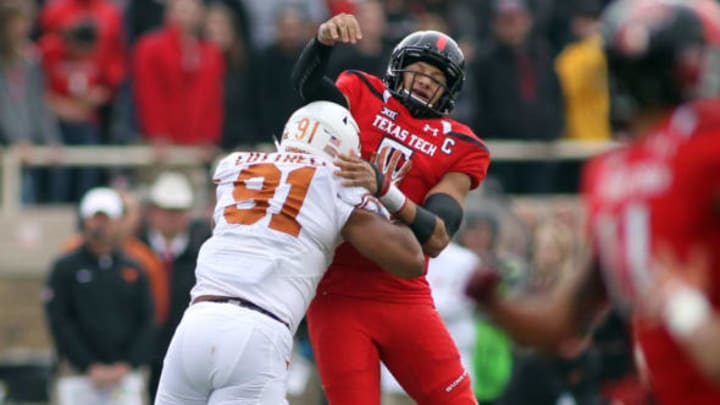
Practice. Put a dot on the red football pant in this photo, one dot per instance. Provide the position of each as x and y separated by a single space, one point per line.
350 336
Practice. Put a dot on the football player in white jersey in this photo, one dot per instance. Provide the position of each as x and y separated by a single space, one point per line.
278 218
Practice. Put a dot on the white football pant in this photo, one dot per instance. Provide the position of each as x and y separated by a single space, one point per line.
226 354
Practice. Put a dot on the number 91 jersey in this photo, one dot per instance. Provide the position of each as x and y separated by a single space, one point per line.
278 219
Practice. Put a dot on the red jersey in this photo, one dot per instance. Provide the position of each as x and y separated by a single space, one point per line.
69 75
59 15
659 191
435 146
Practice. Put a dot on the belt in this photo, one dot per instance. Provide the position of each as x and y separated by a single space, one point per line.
240 302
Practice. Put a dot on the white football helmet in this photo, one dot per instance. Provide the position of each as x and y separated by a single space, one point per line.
321 128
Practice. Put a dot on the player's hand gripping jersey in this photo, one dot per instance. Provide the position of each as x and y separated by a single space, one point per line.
435 146
660 190
290 201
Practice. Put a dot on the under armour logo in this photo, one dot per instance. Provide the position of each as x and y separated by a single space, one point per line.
428 128
389 113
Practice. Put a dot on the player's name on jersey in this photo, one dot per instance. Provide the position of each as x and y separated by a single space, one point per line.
412 140
298 158
645 179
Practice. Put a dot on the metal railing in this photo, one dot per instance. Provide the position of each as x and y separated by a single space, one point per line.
191 157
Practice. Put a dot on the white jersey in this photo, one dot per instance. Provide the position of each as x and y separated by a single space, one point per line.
278 219
447 276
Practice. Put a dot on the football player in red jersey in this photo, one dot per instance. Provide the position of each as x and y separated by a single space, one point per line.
653 206
426 165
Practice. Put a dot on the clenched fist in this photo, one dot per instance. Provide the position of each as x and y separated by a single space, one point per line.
342 28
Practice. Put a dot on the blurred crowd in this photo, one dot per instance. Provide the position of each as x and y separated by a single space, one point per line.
215 74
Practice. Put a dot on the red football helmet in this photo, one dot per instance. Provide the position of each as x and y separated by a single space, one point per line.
662 52
437 49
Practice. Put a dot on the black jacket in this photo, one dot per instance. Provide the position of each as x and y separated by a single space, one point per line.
99 309
181 281
504 111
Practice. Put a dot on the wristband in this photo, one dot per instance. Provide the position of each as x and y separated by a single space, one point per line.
394 199
685 311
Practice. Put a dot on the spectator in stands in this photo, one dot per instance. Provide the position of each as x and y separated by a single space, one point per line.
582 69
539 378
58 16
493 351
466 18
176 240
401 20
341 6
142 254
273 67
108 55
136 250
481 233
25 119
552 252
80 84
263 16
143 16
466 105
519 93
98 302
372 52
178 82
222 27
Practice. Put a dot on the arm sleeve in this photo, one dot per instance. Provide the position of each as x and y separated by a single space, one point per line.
142 345
309 75
58 307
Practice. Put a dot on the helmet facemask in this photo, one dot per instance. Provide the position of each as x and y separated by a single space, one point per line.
418 101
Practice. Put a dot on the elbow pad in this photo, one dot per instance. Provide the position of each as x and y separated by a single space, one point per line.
448 209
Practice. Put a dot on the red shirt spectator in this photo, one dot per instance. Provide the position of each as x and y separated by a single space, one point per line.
178 87
76 77
59 15
341 6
